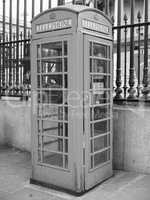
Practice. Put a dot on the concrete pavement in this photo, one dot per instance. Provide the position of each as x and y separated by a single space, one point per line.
15 169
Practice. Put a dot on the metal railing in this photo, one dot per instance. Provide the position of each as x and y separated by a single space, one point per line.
130 53
15 66
15 47
131 58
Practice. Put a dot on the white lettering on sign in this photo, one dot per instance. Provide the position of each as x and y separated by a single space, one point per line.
52 26
95 26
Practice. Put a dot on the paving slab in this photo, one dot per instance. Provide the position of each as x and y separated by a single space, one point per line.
15 169
123 186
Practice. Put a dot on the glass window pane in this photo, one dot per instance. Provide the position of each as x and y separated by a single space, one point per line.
100 97
99 82
52 112
102 157
66 130
52 81
38 81
38 51
91 129
98 66
108 140
66 161
52 49
39 156
53 97
66 113
100 143
66 81
108 52
91 49
66 97
65 64
52 128
52 65
53 159
38 97
101 127
92 146
101 112
108 67
38 67
66 146
99 50
53 144
39 110
65 48
38 126
91 162
91 114
39 142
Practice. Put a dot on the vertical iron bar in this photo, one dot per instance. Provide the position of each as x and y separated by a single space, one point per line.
113 32
21 68
25 37
32 9
118 70
107 7
125 57
49 4
14 64
132 90
0 64
25 18
10 45
17 48
41 5
145 90
3 57
6 68
139 52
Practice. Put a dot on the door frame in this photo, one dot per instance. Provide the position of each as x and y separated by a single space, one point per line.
63 178
104 171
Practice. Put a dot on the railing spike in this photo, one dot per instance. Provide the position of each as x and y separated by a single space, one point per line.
113 20
139 15
125 17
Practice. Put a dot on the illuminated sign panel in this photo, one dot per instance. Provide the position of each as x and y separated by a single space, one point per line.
52 26
95 26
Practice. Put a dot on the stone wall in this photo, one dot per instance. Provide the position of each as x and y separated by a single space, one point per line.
132 137
15 124
131 141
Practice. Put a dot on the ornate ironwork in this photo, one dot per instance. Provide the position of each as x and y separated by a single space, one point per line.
125 56
146 89
118 70
139 53
132 91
